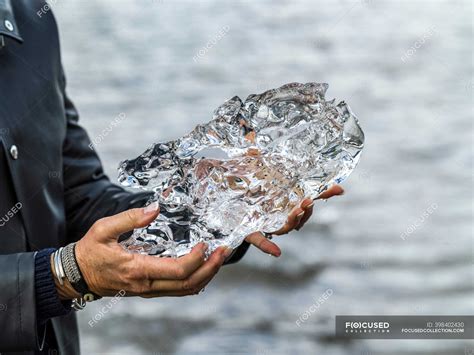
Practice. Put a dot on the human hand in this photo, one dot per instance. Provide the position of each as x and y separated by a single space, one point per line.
296 220
107 268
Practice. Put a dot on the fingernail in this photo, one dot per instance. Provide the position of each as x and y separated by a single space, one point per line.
310 205
204 247
300 215
151 208
228 252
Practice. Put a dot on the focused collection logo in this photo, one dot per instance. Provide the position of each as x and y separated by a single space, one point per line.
367 327
405 327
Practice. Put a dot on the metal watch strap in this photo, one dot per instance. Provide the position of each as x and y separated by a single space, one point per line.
73 273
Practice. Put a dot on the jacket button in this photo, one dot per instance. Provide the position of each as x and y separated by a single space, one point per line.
14 152
8 25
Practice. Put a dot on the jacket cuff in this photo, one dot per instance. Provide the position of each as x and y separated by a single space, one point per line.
48 304
17 302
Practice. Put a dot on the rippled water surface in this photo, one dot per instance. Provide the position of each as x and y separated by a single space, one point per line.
399 242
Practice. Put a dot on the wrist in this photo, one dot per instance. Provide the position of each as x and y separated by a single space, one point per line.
69 278
82 255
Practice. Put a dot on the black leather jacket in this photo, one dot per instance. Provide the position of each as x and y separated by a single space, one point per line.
47 171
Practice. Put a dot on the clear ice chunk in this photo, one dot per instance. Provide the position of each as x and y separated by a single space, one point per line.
245 170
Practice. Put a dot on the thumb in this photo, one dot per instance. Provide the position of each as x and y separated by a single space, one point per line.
123 222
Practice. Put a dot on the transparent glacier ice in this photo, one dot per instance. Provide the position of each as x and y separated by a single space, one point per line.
245 170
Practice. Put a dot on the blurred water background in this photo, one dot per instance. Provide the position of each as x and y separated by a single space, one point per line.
399 242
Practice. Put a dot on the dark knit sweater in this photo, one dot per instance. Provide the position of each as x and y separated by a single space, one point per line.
48 304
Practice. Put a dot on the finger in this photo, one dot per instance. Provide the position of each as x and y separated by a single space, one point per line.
306 203
307 206
195 282
332 191
293 219
258 239
206 273
123 222
307 215
170 268
202 280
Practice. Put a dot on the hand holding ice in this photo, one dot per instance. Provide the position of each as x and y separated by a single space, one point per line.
245 170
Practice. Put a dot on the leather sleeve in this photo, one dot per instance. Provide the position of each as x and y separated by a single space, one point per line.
17 303
88 193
